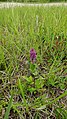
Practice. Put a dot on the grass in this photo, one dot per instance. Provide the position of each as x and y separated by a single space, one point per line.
8 109
35 1
33 90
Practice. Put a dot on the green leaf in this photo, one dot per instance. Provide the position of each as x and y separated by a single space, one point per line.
29 79
32 89
32 67
8 108
39 83
22 93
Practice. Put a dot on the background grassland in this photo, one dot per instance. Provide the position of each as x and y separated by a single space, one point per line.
44 29
39 1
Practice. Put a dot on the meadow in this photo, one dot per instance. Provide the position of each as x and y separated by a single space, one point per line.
38 1
33 90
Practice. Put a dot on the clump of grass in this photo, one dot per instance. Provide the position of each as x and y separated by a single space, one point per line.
39 88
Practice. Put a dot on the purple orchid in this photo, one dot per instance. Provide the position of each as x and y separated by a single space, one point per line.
32 55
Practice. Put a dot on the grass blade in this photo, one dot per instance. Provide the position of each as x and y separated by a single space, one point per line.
22 93
8 108
53 101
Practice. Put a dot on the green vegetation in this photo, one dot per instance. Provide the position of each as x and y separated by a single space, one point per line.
36 90
39 1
